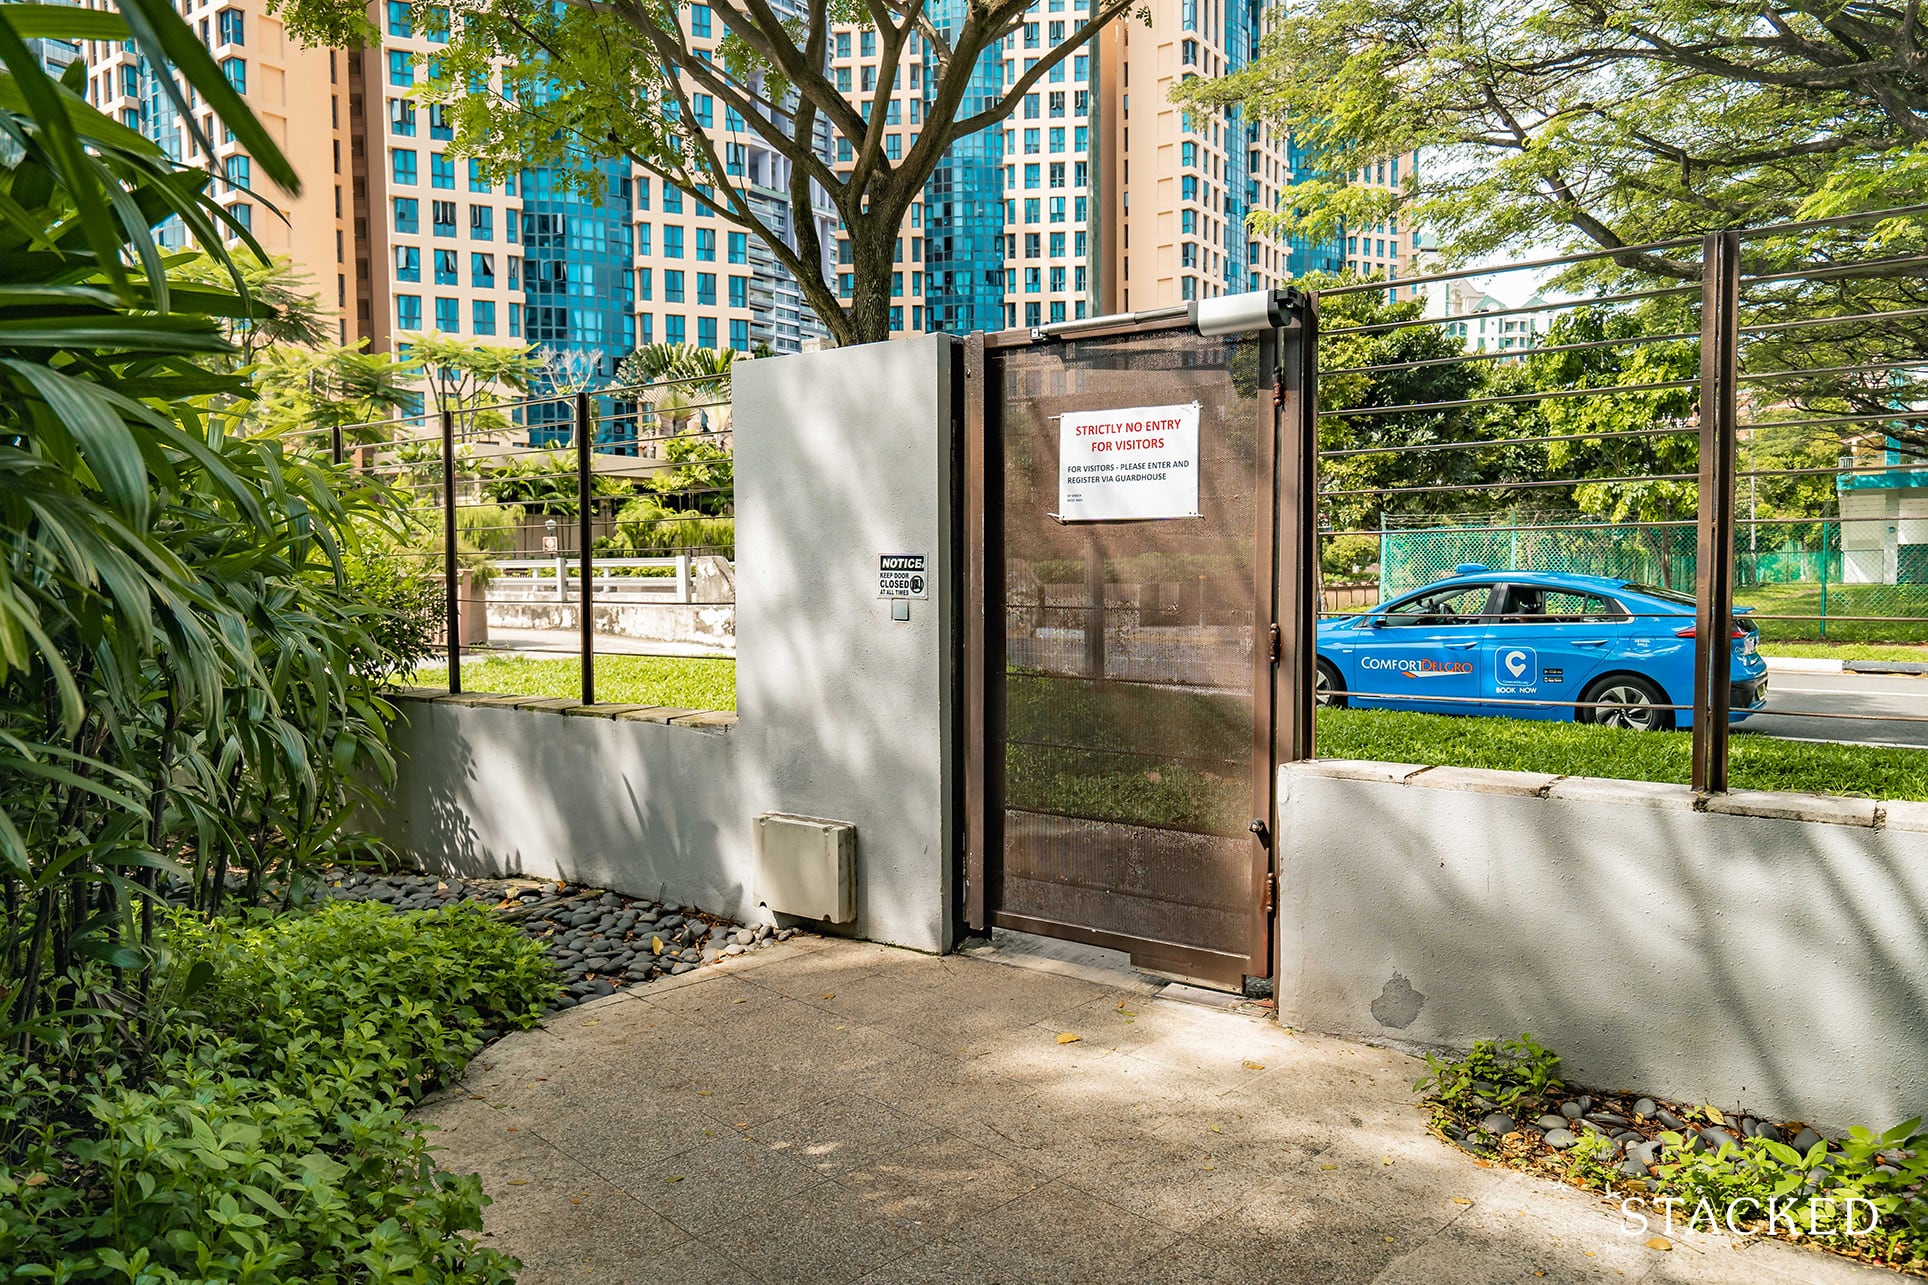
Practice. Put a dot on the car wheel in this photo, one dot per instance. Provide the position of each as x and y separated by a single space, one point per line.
1327 688
1628 701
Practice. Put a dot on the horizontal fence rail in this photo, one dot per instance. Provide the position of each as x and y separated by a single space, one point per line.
1749 438
557 508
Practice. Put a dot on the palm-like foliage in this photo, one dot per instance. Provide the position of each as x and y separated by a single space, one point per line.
682 383
183 672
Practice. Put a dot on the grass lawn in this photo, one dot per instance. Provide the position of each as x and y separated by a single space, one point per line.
684 682
1127 752
1844 651
1804 599
1581 749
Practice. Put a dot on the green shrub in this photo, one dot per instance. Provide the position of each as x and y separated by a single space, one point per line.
1889 1171
1824 1194
1505 1073
1345 557
383 1003
646 527
212 1177
270 1143
413 608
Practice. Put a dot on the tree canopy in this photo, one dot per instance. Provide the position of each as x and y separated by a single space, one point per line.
1587 123
574 85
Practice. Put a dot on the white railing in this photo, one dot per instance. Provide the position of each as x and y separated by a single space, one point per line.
611 579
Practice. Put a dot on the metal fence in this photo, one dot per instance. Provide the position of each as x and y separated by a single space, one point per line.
1742 411
1792 562
594 522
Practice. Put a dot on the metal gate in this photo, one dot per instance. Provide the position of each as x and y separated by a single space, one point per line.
1119 702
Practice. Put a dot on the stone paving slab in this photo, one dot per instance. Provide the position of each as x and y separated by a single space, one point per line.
830 1111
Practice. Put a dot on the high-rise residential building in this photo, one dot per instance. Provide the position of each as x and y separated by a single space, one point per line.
961 285
446 249
300 97
402 238
1098 194
54 56
1384 249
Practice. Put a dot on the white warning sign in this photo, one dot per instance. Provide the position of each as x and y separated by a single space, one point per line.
902 575
1133 464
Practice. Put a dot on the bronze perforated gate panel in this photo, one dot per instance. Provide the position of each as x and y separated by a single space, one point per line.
1124 678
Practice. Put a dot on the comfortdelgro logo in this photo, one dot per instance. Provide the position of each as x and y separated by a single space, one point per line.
1417 666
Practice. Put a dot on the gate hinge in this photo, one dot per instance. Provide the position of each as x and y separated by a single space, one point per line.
1272 637
1271 892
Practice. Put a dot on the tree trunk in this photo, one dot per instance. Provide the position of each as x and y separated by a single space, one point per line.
872 262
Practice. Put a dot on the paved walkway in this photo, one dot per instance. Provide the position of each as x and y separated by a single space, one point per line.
833 1111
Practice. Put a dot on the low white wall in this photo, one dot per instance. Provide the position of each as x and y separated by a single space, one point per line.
492 785
1713 950
845 709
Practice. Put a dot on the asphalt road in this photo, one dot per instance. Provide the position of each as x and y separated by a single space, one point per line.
1793 697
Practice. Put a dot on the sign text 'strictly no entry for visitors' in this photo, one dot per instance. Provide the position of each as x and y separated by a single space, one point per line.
1136 463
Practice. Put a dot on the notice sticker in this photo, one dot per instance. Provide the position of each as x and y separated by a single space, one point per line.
902 575
1136 464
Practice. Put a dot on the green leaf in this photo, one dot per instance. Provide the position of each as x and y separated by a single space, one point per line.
105 440
65 22
155 24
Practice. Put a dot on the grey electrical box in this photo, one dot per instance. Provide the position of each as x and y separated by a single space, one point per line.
807 866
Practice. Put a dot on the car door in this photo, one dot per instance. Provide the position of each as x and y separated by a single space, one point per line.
1545 645
1423 652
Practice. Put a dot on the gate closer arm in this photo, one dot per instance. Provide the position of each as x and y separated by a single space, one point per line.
1234 314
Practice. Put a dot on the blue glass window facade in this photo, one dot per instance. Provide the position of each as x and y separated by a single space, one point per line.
964 208
579 284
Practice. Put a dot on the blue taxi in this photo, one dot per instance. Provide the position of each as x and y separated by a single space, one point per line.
1532 644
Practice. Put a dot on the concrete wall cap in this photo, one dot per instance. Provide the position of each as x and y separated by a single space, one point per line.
1355 769
479 700
602 711
412 693
1826 808
1597 789
1485 780
1905 814
654 714
714 720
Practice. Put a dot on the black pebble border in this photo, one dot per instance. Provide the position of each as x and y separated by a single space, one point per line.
601 942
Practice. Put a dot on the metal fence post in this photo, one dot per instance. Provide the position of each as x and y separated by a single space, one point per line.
1714 551
335 435
1298 500
585 425
1826 542
450 570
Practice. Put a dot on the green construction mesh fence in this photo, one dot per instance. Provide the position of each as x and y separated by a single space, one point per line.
1790 570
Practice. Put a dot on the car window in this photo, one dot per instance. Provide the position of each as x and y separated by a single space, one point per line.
1535 605
1459 605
